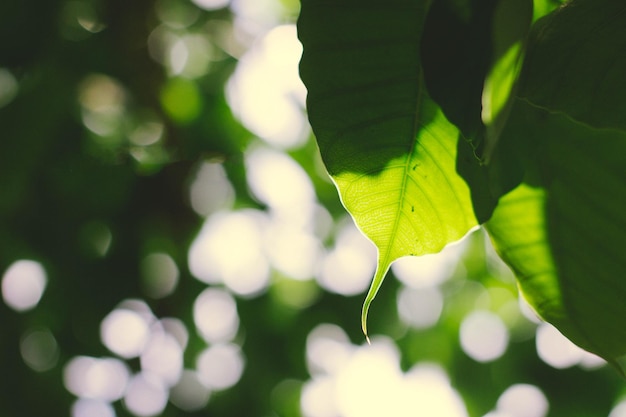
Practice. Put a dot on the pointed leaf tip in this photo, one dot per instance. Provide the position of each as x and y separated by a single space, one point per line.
377 281
364 311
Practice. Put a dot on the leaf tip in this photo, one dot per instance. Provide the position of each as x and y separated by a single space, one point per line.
364 320
381 271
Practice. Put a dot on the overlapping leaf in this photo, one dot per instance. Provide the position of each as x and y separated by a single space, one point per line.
563 232
576 62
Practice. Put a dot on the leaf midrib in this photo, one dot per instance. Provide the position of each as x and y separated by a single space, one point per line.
386 259
570 118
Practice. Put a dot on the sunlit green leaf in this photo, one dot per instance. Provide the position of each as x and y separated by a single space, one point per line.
386 144
518 228
544 7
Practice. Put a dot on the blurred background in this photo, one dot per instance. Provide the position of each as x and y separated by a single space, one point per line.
170 244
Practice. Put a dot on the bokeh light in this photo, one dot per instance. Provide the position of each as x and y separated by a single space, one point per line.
220 366
215 315
554 349
279 182
229 249
430 392
349 267
147 132
420 307
23 284
191 56
429 270
125 332
176 14
559 352
370 382
176 328
163 357
103 101
327 349
83 15
294 251
8 87
190 394
87 407
210 190
146 395
96 378
484 337
265 91
254 18
317 397
159 275
619 410
350 381
211 4
523 400
527 310
39 349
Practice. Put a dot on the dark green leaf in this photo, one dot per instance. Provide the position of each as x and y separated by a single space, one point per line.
511 24
576 64
457 51
563 236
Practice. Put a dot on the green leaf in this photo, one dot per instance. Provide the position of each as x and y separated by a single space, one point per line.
456 52
564 235
511 24
388 147
518 229
472 53
544 7
576 62
563 231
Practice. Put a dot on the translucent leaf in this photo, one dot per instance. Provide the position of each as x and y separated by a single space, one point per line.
386 144
544 7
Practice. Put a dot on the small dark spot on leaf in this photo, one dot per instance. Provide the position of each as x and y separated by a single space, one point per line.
412 209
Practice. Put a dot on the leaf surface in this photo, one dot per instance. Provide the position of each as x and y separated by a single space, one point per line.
563 231
510 28
576 62
386 144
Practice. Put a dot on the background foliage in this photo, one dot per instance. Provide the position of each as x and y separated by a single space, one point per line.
154 151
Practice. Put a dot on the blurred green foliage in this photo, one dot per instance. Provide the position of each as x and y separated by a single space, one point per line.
93 182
